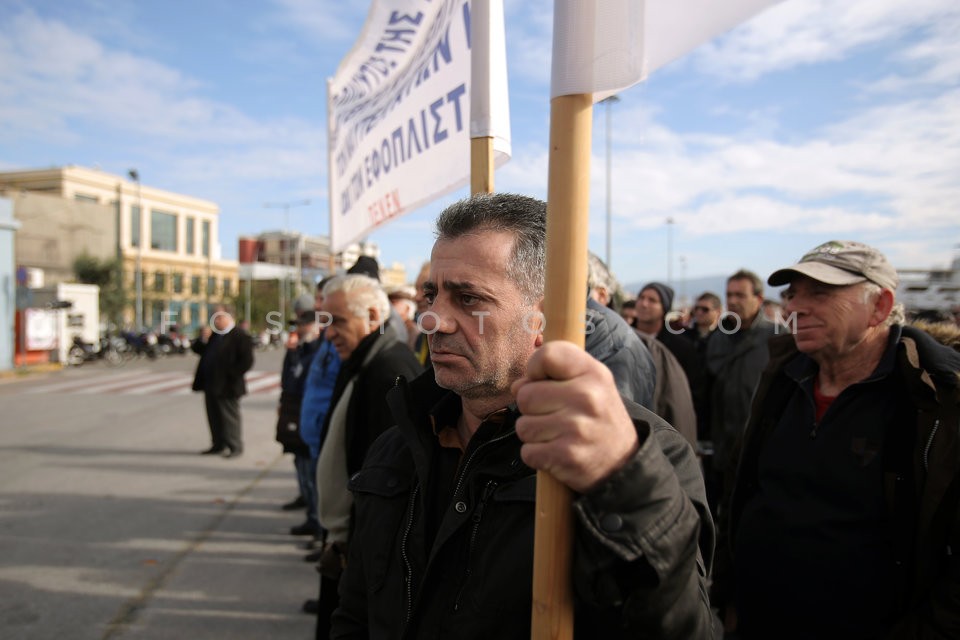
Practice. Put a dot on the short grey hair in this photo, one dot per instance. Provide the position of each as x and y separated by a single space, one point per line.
362 293
897 314
522 216
598 275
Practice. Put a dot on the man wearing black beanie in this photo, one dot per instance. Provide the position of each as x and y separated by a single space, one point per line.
653 304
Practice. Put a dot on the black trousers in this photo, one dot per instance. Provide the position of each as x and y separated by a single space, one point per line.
223 416
329 601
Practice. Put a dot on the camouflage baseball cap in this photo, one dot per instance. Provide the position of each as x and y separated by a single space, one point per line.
841 262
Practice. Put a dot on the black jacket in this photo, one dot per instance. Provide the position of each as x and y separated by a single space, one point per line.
368 414
296 363
226 366
735 359
921 486
643 542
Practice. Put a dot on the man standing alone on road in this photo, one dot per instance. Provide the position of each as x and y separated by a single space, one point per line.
226 354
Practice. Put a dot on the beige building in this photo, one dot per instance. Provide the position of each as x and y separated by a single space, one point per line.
55 231
172 236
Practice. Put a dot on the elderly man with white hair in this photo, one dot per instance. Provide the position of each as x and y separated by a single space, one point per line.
844 517
356 311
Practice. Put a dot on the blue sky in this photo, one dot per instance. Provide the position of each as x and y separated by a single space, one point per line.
818 119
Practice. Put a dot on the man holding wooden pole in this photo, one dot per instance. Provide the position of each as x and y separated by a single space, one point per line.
444 505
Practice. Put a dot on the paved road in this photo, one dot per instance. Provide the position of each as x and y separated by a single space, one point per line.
111 525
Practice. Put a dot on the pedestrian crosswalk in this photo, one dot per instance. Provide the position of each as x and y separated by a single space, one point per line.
144 383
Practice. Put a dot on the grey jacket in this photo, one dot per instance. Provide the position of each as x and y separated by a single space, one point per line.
671 395
613 342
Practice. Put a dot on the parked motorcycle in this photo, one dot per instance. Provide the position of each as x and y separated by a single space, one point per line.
80 352
143 344
114 351
173 342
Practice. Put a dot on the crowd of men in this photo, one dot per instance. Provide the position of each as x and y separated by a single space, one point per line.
787 470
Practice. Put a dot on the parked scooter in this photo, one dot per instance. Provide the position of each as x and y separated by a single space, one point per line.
80 352
143 344
173 342
113 350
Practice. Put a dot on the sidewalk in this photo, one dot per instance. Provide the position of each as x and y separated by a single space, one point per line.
112 526
243 577
22 371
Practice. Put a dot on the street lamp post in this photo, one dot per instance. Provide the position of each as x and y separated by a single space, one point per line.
683 280
670 252
609 102
286 230
138 273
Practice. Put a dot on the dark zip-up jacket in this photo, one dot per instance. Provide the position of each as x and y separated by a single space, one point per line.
220 371
735 360
368 414
293 376
921 480
643 541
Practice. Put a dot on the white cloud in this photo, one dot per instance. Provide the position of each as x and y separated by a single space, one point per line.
529 29
891 167
802 32
319 19
935 58
754 213
63 86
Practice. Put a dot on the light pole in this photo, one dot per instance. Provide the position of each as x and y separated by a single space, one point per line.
138 272
683 281
670 251
286 231
609 102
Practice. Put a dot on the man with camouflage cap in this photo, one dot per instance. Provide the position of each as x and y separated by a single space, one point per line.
844 520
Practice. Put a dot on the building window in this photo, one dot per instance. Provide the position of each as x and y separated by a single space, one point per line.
205 238
227 286
82 197
174 316
178 283
134 226
157 309
211 285
195 285
163 230
190 239
195 319
159 282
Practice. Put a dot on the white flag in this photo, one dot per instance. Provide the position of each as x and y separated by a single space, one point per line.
604 46
403 105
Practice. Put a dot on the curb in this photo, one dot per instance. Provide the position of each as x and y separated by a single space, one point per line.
23 372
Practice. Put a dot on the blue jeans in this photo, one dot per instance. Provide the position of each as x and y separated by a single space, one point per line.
307 479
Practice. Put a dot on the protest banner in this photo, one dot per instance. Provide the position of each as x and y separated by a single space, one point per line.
400 118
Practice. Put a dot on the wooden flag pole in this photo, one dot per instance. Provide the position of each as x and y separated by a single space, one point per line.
481 165
568 207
